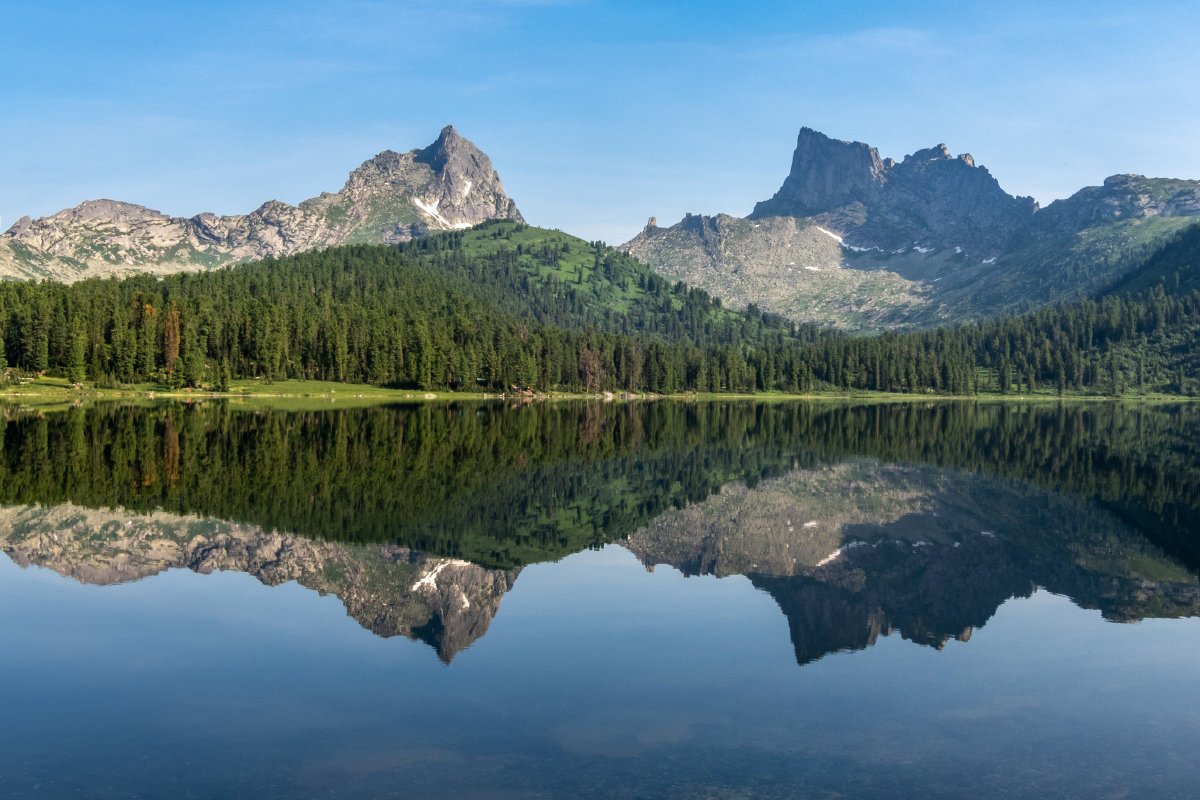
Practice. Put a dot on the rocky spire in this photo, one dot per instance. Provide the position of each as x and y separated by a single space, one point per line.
930 197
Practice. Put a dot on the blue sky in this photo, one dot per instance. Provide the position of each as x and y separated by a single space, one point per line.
596 114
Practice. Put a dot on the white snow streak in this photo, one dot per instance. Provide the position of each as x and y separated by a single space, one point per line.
429 581
432 210
829 558
830 234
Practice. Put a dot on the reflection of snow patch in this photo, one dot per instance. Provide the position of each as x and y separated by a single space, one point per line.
859 249
987 533
429 581
921 544
830 234
923 250
829 558
991 260
957 250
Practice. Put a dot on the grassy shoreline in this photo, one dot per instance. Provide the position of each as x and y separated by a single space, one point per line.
57 390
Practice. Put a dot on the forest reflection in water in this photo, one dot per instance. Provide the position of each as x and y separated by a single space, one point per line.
857 520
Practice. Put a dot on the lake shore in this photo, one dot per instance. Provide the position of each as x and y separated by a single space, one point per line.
53 391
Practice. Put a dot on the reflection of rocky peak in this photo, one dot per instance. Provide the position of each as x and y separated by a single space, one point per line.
860 549
389 198
389 590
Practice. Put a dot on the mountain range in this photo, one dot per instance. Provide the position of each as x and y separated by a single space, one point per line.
391 198
862 242
851 239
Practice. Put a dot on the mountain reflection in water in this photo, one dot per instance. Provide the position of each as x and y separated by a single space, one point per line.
857 520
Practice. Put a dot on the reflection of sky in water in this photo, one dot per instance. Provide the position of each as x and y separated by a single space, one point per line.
595 677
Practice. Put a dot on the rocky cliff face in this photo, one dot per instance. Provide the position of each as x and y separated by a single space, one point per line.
930 198
862 549
392 197
928 240
389 590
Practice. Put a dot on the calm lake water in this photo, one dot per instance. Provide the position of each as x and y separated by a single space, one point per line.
601 600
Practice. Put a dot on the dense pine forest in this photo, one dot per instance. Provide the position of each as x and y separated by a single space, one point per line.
505 305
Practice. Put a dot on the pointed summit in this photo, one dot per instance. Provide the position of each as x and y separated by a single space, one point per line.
389 198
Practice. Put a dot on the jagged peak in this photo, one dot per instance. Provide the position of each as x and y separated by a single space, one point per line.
936 153
20 226
390 197
449 146
959 202
109 209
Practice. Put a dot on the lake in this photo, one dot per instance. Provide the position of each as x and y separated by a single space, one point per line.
621 600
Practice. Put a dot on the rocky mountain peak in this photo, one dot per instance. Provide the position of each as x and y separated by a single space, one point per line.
449 144
931 196
826 174
391 197
1122 197
938 153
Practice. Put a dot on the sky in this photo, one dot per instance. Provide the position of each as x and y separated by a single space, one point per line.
597 114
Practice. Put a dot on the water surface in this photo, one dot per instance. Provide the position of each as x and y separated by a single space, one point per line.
646 600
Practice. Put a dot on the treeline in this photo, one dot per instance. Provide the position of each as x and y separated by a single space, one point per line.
1109 346
504 487
384 316
506 305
